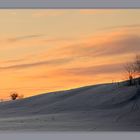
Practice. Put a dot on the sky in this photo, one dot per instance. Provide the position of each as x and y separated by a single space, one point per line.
49 50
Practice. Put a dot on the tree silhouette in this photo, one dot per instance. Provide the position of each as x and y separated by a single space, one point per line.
14 96
130 71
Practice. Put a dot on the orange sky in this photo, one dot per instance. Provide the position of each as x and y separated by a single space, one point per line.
49 50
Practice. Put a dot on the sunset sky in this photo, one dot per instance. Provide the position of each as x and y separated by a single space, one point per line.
50 50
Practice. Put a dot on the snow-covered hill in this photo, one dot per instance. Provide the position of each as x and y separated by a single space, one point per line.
90 108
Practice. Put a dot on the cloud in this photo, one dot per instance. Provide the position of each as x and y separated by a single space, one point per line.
129 26
81 72
127 44
92 70
96 48
12 60
36 64
117 42
60 39
20 38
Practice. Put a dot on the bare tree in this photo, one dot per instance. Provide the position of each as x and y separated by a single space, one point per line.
130 71
14 95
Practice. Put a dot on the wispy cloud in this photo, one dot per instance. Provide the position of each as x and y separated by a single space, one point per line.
13 60
127 44
128 26
92 70
108 44
20 38
37 64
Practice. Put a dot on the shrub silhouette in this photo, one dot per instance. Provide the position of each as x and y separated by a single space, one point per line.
14 96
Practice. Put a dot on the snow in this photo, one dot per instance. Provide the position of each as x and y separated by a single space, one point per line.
105 107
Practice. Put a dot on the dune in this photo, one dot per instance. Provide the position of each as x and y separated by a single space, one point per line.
104 107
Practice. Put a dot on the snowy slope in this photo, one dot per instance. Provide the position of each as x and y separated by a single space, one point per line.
99 107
